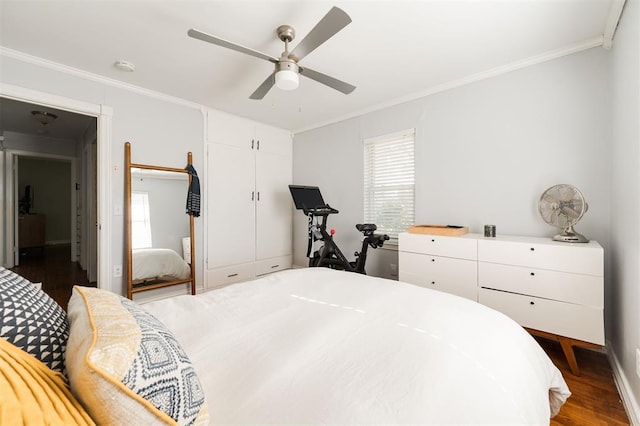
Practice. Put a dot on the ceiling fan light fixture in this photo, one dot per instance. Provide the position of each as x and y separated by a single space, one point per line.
287 77
287 80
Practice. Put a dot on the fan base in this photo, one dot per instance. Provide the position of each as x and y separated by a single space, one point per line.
570 236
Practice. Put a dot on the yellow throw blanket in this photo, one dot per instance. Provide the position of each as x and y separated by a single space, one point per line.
33 394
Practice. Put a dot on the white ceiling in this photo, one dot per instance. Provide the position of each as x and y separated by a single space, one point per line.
393 51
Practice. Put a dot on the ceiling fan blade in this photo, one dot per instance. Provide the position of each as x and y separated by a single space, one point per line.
335 20
229 45
264 88
334 83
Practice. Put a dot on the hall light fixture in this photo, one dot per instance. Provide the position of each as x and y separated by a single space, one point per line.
43 117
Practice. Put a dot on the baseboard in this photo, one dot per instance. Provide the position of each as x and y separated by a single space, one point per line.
626 394
57 242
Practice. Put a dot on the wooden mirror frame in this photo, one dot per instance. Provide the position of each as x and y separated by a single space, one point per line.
128 245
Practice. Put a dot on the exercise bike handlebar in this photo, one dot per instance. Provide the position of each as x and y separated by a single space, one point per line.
324 210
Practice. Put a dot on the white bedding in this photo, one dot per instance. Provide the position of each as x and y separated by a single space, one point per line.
157 262
322 346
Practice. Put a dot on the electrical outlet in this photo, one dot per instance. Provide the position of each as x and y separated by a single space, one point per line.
638 362
117 270
393 269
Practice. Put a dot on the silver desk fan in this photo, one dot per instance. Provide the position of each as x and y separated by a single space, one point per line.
562 206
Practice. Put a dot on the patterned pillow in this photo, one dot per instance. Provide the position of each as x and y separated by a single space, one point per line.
32 320
126 367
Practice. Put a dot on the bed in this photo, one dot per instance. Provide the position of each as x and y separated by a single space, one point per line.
158 264
322 346
302 346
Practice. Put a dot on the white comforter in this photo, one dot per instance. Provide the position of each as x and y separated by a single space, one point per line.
321 346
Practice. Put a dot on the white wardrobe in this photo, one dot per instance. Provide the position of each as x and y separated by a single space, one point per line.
249 220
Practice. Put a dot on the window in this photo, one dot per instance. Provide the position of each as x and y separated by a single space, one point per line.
140 221
389 182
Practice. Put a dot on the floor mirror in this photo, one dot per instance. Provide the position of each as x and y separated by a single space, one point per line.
159 240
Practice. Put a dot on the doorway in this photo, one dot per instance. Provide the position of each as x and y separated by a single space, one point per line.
49 183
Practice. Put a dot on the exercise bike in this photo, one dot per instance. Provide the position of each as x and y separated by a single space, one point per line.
310 201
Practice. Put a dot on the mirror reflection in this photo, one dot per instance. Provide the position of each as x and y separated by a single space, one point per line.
159 226
159 237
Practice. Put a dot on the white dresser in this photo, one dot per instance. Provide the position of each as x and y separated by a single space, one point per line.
442 263
553 289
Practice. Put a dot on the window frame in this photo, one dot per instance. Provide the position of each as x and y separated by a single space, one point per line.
146 239
369 188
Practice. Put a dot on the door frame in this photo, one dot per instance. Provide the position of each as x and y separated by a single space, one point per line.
103 114
11 213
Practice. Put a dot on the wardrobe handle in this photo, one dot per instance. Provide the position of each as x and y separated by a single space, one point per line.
258 195
253 194
252 142
258 144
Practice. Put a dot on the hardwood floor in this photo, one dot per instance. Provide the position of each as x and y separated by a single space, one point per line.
52 267
595 399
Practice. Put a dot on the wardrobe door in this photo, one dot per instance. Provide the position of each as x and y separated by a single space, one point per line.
231 205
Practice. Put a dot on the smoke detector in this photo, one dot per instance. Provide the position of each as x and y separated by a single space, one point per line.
125 66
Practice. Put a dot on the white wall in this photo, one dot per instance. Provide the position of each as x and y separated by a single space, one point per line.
160 130
622 306
484 153
40 144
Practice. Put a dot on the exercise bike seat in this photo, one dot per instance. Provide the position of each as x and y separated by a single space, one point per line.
366 227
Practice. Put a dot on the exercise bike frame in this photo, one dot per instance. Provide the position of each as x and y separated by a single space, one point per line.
329 255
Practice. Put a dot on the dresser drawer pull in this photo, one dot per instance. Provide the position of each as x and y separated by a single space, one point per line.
433 260
533 274
232 275
274 266
433 241
532 248
433 282
532 303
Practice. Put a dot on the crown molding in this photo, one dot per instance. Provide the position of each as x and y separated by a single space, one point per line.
484 75
615 13
45 63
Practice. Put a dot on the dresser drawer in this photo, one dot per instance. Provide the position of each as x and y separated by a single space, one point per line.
545 254
562 286
458 247
455 276
274 264
220 277
565 319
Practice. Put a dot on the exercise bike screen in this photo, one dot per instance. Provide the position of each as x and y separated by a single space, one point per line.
306 196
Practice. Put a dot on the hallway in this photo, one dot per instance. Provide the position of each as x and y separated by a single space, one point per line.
53 268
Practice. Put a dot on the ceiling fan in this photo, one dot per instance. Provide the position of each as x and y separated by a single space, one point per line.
287 69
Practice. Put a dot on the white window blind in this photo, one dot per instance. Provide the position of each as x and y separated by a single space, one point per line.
389 182
140 221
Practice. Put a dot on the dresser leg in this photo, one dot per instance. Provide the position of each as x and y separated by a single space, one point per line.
567 345
567 348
